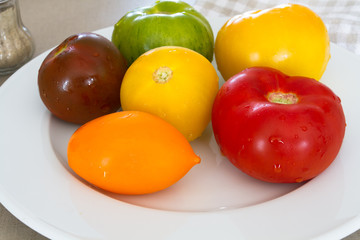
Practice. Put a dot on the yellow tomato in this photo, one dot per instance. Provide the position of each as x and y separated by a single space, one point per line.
175 83
290 38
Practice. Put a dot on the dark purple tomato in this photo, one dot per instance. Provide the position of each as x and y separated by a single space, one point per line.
80 79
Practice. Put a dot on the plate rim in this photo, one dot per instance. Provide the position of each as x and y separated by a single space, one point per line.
50 231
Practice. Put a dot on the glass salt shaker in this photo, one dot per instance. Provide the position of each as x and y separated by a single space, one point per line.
16 43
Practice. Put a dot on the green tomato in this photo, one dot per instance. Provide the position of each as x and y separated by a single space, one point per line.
165 23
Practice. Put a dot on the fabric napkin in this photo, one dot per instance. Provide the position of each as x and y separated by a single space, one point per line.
341 17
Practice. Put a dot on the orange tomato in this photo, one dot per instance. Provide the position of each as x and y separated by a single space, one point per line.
130 152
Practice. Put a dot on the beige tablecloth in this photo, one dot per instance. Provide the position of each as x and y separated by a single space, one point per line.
51 21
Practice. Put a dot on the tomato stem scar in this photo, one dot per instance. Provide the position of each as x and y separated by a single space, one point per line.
162 75
282 98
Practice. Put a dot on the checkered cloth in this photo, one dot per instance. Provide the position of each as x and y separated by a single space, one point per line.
341 17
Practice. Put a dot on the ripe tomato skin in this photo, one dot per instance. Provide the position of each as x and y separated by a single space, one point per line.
183 96
277 142
130 152
289 37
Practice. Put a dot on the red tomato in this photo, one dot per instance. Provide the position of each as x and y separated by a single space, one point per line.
278 128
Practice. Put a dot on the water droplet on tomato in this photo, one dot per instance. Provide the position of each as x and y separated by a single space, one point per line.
128 115
90 82
277 168
337 99
241 149
305 169
275 140
304 128
323 139
299 179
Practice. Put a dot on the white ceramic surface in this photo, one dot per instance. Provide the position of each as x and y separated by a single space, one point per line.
213 201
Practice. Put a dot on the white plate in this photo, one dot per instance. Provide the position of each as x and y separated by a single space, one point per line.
213 201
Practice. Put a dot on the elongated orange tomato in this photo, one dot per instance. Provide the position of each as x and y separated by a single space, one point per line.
130 152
